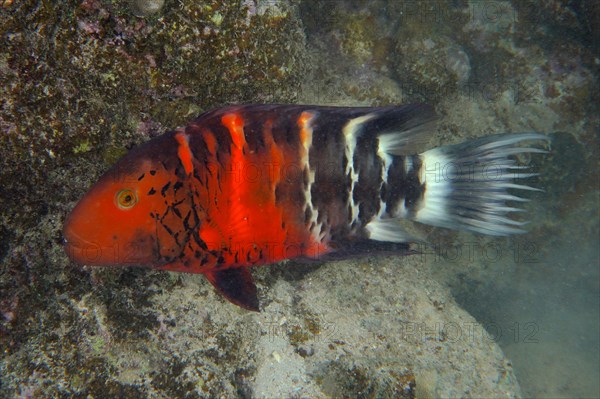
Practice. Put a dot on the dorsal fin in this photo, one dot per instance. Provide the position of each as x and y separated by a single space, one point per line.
404 130
236 285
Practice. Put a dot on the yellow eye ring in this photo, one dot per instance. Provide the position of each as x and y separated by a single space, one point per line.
126 199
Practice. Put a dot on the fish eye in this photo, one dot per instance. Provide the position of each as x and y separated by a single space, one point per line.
126 198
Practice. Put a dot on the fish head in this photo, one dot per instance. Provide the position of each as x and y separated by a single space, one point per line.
117 222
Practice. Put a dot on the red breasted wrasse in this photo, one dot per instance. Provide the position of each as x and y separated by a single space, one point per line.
249 185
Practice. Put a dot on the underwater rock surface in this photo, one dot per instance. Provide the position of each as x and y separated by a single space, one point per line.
144 8
81 82
378 328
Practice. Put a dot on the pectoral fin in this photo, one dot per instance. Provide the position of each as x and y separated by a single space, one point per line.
237 286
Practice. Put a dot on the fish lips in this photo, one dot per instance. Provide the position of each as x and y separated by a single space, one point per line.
85 252
139 251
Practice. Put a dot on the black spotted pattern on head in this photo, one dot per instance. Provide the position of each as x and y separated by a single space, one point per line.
163 190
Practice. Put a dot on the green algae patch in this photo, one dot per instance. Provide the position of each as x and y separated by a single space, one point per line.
82 147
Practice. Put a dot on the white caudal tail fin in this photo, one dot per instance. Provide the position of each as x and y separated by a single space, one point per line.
469 186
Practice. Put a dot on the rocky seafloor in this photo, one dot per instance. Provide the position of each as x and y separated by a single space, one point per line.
81 82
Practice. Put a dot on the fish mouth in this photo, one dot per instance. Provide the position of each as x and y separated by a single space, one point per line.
80 250
91 253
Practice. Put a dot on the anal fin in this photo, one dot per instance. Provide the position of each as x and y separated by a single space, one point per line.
236 285
393 230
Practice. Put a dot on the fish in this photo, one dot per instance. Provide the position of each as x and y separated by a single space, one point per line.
250 185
